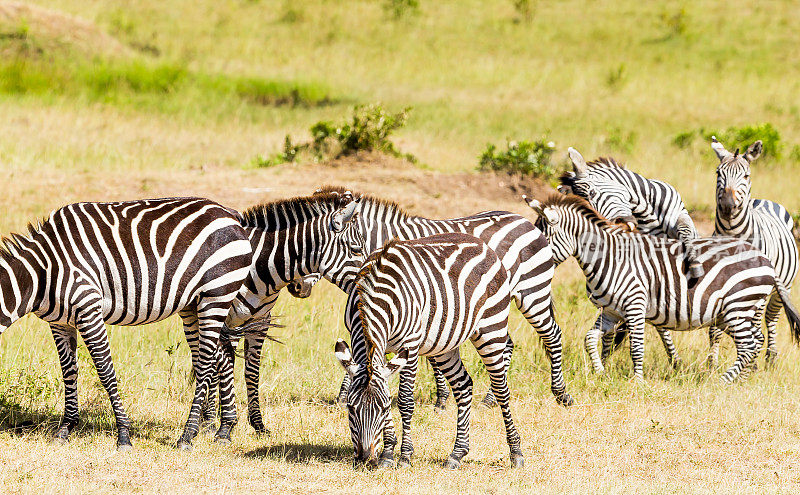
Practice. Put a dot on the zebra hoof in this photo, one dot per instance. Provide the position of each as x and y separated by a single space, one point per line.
404 462
222 440
59 441
769 360
341 403
451 463
184 445
439 408
489 401
564 399
384 463
124 447
517 461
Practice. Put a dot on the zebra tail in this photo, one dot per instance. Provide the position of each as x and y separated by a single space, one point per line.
258 326
791 312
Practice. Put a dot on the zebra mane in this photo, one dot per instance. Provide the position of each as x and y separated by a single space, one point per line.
604 162
365 199
11 244
583 207
266 215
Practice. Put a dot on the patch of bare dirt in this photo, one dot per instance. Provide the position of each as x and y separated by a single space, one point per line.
31 30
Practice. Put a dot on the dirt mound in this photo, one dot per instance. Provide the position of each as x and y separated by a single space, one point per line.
29 30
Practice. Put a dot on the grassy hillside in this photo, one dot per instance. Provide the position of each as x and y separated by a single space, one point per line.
119 100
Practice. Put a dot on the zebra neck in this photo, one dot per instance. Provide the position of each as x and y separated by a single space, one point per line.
739 226
592 246
284 255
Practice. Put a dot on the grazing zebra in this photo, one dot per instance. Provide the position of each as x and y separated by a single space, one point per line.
126 263
650 206
292 240
426 297
636 278
522 249
765 224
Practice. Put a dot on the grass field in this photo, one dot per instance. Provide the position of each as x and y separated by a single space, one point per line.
121 100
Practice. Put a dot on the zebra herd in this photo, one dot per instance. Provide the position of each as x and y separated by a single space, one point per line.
415 286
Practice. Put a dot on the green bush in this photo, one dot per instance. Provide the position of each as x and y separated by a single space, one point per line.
737 137
524 157
368 129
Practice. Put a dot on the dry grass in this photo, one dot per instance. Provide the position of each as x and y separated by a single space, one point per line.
473 76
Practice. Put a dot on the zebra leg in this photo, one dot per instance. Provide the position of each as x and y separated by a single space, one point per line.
490 400
386 459
405 403
498 375
603 326
66 340
453 369
225 380
93 331
442 391
191 330
742 332
211 313
538 310
252 369
352 321
672 353
714 340
612 341
634 319
771 320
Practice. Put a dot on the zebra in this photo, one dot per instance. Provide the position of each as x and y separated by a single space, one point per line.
426 297
765 224
650 206
126 263
636 278
522 249
294 241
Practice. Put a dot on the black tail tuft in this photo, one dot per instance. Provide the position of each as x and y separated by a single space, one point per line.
791 312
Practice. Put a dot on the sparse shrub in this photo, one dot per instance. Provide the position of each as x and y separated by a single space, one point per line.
621 140
795 154
675 23
523 157
737 137
277 93
400 8
368 129
136 77
524 9
616 77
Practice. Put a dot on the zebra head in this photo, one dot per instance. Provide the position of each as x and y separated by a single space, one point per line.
301 286
549 222
345 253
608 196
733 179
369 400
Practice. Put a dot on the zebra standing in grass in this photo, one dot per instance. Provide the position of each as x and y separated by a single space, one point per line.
636 278
426 297
126 263
650 206
292 241
522 249
765 224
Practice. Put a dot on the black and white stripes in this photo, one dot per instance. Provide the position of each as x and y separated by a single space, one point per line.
126 263
425 298
636 278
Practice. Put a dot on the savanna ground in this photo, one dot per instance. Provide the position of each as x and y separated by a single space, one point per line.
108 101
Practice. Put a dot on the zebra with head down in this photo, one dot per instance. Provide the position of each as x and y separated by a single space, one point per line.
649 206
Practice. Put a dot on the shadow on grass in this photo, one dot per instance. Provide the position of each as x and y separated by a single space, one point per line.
304 452
19 420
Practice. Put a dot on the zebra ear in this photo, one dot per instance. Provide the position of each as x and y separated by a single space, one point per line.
754 151
720 150
578 162
396 364
344 216
342 352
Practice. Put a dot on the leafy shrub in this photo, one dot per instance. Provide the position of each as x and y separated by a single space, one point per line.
524 10
737 137
523 157
278 93
675 23
400 8
368 129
